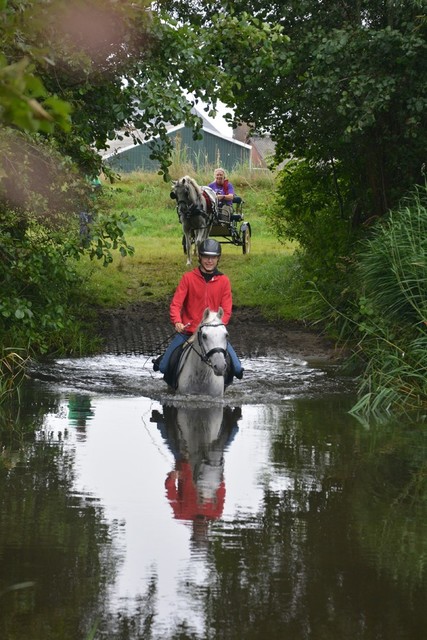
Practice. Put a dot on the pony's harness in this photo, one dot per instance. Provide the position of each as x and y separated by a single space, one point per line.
189 211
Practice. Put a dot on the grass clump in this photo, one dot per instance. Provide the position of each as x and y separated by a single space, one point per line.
392 312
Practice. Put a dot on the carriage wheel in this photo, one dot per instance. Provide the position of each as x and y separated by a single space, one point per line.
246 240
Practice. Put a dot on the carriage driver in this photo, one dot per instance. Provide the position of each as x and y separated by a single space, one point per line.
225 193
205 286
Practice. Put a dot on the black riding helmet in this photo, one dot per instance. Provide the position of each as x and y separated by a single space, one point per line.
209 247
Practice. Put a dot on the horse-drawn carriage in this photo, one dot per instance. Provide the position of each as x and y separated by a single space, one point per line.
235 230
201 217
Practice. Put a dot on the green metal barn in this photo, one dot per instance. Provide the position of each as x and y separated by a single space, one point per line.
213 149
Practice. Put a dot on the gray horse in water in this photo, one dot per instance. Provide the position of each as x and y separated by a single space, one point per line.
197 210
202 366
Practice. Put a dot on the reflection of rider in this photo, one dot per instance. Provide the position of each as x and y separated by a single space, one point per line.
197 439
198 289
184 497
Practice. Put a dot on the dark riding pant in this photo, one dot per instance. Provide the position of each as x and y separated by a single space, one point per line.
177 340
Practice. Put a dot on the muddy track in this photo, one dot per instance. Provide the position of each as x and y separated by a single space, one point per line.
144 328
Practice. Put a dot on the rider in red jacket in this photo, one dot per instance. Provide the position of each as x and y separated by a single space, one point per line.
203 287
194 293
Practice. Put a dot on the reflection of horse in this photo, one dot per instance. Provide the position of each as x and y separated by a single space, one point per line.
197 437
202 365
197 210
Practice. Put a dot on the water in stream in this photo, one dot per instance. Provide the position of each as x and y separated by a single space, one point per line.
130 513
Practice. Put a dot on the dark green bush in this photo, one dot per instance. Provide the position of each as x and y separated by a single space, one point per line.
312 209
38 279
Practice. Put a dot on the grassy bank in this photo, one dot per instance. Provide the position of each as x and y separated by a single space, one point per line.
260 278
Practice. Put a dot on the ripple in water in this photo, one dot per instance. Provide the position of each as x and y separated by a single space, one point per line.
267 379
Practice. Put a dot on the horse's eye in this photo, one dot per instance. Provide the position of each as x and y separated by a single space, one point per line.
204 336
173 195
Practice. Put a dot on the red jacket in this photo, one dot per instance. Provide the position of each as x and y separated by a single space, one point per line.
193 295
184 500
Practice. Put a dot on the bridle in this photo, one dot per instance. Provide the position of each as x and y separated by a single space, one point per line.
190 209
203 354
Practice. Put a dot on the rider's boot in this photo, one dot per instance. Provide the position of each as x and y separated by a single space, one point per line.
156 363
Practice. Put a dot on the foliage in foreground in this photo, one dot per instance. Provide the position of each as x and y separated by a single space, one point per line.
391 281
41 287
371 290
41 239
12 372
82 72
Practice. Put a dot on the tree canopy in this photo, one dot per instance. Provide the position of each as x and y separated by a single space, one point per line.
79 72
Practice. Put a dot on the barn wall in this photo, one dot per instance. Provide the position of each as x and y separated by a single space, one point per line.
211 150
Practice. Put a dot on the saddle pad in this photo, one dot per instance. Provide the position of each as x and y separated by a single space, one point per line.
211 200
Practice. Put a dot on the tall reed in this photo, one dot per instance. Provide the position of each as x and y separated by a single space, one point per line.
392 267
13 367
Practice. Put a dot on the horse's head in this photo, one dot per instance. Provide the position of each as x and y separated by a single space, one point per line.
188 195
181 188
212 337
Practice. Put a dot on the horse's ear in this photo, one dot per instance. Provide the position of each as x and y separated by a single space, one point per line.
220 312
206 314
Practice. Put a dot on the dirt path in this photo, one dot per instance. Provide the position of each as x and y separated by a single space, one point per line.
144 328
